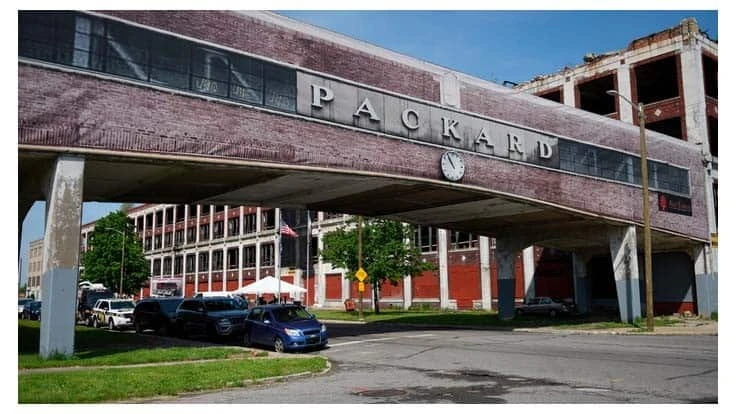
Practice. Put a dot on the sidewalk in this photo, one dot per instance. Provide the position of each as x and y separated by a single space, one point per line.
686 326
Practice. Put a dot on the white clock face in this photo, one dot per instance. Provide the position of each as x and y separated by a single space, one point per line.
453 166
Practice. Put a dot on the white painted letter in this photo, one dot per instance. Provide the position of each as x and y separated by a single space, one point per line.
448 128
321 94
515 144
367 108
483 137
545 150
405 119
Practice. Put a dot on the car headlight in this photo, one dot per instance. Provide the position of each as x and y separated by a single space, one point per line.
293 332
322 328
224 323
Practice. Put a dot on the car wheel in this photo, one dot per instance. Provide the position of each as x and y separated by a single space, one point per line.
519 312
138 328
278 345
552 313
111 325
95 323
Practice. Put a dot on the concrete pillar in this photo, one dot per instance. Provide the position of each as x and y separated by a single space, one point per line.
706 283
622 242
529 268
450 87
568 90
321 280
64 195
582 283
485 272
505 256
623 86
209 267
407 278
443 268
196 270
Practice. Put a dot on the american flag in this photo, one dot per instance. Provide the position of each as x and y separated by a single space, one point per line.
285 230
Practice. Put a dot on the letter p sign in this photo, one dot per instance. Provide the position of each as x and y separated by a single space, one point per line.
321 94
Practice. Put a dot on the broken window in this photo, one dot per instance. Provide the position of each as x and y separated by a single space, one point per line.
555 95
671 127
657 81
710 76
593 97
713 135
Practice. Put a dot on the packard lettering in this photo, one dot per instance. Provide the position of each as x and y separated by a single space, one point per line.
437 125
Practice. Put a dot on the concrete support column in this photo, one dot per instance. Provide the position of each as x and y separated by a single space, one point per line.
568 90
407 279
240 264
224 268
582 283
623 86
505 256
209 269
64 195
321 280
196 270
225 231
450 87
485 272
258 259
529 268
622 243
706 283
443 268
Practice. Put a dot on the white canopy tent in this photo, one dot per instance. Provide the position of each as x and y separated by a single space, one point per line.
270 284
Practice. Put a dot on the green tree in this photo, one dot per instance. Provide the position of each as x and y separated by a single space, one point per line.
102 261
387 256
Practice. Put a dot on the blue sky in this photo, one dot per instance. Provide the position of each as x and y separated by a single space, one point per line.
493 45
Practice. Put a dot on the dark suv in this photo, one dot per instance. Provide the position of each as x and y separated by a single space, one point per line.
214 317
158 314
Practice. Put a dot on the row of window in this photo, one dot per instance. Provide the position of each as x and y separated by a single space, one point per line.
101 45
189 262
425 240
613 165
203 230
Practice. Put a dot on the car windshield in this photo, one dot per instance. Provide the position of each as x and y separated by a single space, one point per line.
125 304
221 305
291 314
23 301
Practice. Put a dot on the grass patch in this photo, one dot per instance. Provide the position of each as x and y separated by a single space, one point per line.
117 384
198 366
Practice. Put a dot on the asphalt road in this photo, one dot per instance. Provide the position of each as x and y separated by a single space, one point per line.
393 364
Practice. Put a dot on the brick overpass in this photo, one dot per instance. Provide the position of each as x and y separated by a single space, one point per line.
252 108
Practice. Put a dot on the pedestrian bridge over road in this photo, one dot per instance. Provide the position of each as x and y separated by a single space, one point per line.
252 108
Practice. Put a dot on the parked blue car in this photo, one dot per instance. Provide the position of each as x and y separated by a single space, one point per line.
286 327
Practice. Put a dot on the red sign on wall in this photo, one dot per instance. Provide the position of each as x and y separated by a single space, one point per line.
674 204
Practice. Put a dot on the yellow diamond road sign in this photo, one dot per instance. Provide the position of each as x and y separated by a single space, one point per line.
361 274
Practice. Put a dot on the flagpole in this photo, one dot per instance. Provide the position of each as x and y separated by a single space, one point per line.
278 259
309 238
